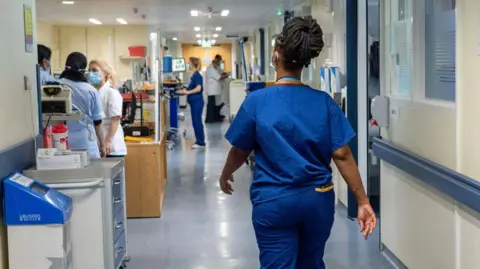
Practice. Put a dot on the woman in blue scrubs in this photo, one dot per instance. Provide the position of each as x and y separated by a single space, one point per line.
295 131
195 100
86 134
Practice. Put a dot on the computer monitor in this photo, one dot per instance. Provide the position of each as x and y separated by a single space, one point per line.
178 65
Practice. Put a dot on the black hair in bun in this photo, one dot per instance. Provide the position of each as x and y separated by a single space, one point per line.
300 41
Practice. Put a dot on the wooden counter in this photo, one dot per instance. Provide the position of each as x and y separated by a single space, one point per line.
146 177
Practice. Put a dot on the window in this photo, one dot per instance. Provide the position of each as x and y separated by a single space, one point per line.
400 47
440 50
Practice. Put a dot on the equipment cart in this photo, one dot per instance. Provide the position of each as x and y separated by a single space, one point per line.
99 231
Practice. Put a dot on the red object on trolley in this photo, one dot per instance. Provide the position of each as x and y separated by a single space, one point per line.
137 51
47 137
60 137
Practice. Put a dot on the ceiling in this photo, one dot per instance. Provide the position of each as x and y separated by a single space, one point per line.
171 16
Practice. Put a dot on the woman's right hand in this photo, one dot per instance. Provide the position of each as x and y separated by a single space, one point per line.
367 219
108 147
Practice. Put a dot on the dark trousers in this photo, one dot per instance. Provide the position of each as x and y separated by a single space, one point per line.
213 111
196 108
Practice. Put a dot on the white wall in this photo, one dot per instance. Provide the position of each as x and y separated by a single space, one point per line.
421 226
19 107
18 119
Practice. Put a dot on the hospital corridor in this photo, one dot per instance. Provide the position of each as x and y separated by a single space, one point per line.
201 228
239 134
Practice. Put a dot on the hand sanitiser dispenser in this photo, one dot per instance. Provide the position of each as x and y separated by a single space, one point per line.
38 225
380 110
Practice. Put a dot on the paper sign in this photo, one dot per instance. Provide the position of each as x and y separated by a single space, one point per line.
28 24
394 112
22 180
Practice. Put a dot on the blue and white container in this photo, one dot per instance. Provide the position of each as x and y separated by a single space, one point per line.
325 79
335 79
38 225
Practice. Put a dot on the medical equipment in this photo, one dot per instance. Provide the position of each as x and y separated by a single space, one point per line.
39 228
57 99
99 232
178 65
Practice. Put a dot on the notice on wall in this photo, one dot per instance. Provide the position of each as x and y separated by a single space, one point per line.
28 25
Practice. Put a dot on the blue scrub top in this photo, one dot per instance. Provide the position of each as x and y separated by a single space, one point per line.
45 77
195 80
293 130
81 134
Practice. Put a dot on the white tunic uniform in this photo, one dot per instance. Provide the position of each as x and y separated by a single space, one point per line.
112 103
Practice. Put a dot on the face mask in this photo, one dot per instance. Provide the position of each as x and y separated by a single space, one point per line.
95 78
222 66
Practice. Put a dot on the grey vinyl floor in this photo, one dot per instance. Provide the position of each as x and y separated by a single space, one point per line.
203 229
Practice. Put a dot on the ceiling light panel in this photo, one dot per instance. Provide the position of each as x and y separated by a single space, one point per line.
174 38
215 35
68 2
122 21
95 21
194 13
196 29
198 35
225 13
218 29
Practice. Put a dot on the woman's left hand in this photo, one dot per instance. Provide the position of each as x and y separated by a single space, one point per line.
226 184
108 147
182 92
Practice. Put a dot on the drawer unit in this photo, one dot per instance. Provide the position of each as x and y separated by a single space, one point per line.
98 196
120 250
119 224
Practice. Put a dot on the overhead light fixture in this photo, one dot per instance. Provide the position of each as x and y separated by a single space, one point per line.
95 21
199 42
174 38
68 2
225 13
198 35
196 29
215 35
279 12
122 21
214 41
194 13
218 29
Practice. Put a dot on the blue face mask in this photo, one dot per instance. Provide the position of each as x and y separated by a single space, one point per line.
95 78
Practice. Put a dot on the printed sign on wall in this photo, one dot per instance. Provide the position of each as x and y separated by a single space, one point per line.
28 24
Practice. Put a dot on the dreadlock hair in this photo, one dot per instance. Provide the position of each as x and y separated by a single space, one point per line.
301 41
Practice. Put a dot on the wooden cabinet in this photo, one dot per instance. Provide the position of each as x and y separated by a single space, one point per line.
146 177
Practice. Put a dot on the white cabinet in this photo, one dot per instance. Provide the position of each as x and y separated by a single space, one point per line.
99 238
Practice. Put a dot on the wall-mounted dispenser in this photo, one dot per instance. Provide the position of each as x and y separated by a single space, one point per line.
380 110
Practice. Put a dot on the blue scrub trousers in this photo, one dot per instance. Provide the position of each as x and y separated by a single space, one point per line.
196 108
292 231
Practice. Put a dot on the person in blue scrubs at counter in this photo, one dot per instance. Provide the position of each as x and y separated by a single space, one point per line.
44 56
86 134
295 131
194 94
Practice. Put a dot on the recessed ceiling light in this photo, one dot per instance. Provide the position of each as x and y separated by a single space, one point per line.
122 21
194 13
196 29
199 42
198 35
95 21
68 2
218 29
225 12
214 41
174 38
215 35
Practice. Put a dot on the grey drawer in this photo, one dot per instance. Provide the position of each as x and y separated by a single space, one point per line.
117 194
120 249
119 223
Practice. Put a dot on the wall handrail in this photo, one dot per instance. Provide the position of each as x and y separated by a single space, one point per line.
453 184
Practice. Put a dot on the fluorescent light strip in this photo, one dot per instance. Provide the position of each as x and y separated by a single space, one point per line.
68 2
218 29
198 35
225 13
196 29
174 38
95 21
194 13
215 35
122 21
